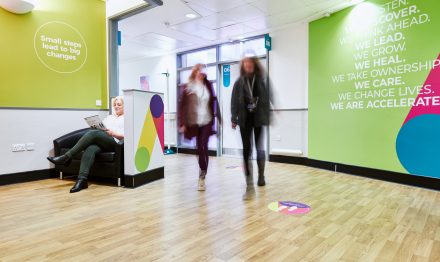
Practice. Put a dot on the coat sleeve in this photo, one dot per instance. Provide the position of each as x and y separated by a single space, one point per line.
218 113
271 94
215 107
181 106
235 103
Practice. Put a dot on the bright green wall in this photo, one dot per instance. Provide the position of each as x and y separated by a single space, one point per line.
26 82
365 137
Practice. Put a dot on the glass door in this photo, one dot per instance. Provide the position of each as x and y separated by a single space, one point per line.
231 144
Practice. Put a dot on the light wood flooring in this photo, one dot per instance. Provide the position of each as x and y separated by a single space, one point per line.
352 218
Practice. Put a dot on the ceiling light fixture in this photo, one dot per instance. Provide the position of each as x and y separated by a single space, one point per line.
191 16
18 6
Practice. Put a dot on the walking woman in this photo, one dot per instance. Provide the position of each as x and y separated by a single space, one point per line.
250 105
197 111
93 142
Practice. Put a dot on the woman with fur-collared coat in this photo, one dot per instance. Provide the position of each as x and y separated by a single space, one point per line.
197 112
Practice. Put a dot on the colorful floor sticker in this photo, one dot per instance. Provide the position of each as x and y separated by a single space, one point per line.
233 167
289 207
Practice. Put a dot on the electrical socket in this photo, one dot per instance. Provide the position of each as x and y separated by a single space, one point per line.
18 147
98 103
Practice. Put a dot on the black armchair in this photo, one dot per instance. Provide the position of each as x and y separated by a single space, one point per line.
107 164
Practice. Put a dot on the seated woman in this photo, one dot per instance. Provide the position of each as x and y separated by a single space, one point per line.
93 142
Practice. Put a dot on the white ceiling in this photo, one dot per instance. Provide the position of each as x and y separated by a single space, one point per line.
166 29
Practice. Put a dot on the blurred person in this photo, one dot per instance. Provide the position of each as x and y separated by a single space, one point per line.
197 111
93 142
250 104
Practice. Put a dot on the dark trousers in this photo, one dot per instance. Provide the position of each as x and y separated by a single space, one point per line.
246 137
203 135
92 143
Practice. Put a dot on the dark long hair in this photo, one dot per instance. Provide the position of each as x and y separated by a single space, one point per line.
258 69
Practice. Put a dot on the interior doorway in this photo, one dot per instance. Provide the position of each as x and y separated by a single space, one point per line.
114 40
217 59
231 144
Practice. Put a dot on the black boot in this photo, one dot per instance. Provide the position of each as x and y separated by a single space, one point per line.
249 177
79 185
261 180
250 189
60 160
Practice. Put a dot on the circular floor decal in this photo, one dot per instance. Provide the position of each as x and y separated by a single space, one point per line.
289 207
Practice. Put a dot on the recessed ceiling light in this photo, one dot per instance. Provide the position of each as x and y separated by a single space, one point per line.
240 37
191 15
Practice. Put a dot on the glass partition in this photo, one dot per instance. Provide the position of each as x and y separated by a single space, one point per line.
211 71
236 51
215 57
207 56
254 47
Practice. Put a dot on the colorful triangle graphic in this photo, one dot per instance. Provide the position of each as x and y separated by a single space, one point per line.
159 123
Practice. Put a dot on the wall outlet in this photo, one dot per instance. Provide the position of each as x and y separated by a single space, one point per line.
98 103
18 147
30 146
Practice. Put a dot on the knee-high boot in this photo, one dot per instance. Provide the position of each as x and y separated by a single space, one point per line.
250 190
261 166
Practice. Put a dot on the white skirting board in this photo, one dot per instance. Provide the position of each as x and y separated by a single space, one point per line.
286 152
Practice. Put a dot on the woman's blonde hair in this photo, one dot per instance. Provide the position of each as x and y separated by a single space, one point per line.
114 100
195 69
120 98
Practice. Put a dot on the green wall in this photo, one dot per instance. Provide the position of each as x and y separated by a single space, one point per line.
73 75
348 121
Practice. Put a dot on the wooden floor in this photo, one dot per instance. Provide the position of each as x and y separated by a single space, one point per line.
352 218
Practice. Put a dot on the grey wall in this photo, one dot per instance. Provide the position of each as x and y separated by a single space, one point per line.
288 70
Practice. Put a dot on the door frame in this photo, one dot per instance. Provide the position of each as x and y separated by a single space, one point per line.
219 96
113 45
218 64
219 90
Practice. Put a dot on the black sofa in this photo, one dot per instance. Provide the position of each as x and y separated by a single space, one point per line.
107 164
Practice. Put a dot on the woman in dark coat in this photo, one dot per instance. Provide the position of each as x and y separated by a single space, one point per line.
197 111
250 103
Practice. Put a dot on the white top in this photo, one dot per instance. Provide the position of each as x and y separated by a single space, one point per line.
203 114
115 123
